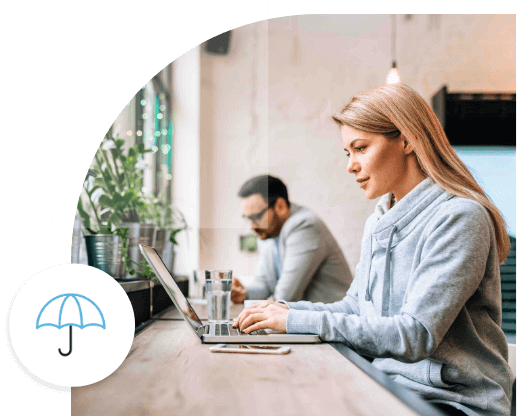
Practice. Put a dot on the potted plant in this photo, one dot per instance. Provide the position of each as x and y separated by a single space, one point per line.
104 244
112 191
169 221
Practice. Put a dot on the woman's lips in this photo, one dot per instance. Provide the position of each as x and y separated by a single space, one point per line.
363 184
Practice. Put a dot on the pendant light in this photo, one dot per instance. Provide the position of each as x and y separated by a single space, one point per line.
393 76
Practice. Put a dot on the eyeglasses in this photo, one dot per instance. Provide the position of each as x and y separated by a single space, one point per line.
254 218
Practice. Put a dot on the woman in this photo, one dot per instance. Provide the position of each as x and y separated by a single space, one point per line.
426 298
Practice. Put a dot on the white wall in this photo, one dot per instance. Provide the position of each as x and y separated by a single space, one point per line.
186 155
265 108
234 143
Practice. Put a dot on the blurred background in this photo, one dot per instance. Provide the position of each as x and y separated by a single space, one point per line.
258 99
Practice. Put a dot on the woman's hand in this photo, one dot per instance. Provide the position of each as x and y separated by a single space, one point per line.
263 315
260 304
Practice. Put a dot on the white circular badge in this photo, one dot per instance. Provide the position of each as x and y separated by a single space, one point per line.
71 325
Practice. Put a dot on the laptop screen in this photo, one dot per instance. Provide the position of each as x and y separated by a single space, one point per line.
171 287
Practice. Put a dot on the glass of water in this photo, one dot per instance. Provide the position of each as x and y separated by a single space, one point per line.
218 290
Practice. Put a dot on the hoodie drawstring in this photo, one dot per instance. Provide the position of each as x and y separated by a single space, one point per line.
386 288
368 296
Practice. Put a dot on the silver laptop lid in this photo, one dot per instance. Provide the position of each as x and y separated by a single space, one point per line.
170 286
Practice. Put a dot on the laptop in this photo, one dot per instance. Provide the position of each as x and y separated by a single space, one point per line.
212 332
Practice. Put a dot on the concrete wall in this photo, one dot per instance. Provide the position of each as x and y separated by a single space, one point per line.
265 108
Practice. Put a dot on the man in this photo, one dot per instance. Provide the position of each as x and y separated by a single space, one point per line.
299 257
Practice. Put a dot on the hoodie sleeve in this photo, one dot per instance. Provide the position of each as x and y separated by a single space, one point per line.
350 303
347 305
451 267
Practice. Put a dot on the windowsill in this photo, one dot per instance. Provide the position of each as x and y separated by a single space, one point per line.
142 284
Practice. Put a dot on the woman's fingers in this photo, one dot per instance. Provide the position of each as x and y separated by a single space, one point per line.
244 314
260 304
264 324
252 319
237 320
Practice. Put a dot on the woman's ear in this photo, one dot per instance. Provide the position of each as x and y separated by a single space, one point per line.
408 146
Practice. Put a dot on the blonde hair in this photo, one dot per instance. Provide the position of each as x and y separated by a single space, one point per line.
396 109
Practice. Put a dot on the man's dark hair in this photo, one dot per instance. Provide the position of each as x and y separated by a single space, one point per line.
270 188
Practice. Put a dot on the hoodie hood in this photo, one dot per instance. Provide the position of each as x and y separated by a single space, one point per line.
394 224
407 213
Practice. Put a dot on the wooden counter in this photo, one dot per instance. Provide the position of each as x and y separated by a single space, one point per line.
169 372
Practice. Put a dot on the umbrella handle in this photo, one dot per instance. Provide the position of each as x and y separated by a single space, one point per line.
70 351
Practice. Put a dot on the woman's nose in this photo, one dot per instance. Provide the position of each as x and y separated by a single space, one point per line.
352 166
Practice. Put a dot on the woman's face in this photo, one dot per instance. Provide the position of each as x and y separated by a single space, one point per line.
380 165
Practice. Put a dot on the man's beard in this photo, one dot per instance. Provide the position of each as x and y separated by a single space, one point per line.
273 230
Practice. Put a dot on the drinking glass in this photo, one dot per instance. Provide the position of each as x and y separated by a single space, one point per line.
218 290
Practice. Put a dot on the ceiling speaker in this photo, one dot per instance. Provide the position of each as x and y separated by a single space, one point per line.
219 44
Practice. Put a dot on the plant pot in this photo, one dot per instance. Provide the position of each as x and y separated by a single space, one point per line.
138 234
165 248
105 253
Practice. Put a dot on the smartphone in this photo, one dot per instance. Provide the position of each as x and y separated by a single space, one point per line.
271 350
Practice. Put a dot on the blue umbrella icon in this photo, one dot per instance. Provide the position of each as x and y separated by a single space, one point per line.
70 310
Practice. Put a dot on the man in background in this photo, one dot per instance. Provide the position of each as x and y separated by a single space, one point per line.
299 257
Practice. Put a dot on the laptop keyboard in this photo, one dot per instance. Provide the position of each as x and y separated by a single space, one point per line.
227 330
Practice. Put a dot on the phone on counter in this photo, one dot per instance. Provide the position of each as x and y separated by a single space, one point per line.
270 350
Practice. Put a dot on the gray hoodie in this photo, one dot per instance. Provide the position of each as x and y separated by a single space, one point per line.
425 301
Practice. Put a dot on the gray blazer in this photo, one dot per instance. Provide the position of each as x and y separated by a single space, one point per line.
313 266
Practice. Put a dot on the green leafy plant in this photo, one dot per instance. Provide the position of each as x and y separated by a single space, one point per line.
165 216
132 266
112 194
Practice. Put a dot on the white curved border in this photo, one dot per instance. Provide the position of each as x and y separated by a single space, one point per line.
125 81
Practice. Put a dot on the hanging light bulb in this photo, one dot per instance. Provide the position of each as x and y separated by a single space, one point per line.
393 76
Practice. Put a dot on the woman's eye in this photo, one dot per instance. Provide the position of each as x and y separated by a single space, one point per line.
358 149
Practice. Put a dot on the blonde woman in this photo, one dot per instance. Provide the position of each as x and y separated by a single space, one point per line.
426 299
